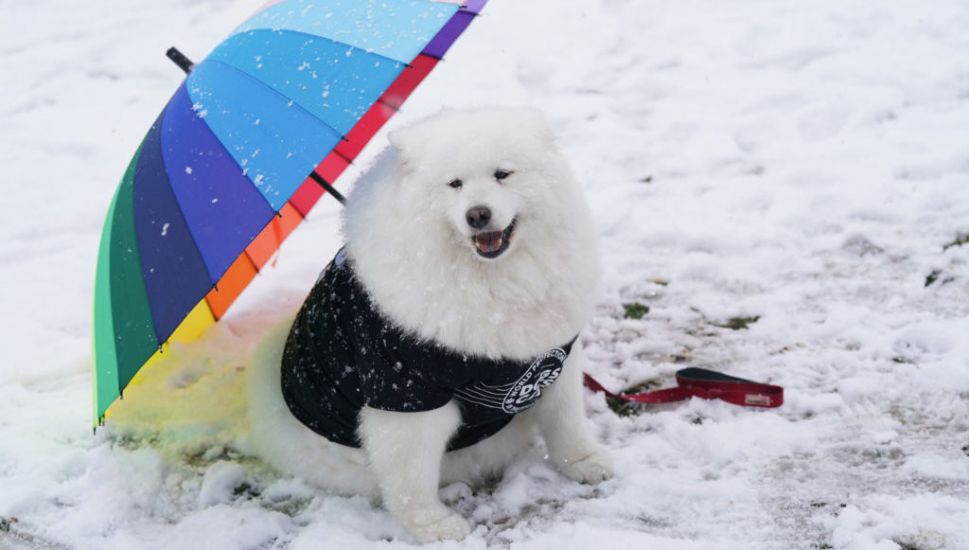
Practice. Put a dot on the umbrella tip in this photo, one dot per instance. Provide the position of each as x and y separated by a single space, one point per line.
177 57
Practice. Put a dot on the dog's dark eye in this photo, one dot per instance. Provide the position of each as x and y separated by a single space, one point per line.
455 184
502 174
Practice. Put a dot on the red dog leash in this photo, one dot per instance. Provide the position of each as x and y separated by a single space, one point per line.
705 384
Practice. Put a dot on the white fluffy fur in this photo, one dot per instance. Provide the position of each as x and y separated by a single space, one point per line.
411 247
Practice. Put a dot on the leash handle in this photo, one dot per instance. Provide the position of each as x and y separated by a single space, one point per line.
705 384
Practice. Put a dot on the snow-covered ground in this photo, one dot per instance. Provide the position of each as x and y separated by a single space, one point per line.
802 163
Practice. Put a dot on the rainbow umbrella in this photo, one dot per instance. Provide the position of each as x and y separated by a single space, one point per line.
255 135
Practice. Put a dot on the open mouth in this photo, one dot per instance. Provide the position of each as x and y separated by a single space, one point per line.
494 243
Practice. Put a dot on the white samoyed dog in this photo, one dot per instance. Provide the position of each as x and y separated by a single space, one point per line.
470 243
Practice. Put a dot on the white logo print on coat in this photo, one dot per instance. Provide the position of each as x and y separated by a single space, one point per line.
519 395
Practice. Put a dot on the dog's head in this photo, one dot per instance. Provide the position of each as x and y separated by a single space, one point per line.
483 176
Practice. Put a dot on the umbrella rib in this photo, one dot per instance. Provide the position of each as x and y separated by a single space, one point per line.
181 210
328 39
326 185
218 143
402 64
390 106
278 93
310 34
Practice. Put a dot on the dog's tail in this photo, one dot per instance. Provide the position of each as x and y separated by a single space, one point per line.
265 404
280 439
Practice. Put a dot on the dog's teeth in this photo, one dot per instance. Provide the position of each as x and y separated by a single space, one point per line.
489 242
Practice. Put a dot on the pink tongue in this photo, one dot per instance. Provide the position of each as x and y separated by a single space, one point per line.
488 242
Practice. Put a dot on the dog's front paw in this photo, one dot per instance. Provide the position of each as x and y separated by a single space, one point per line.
450 527
593 468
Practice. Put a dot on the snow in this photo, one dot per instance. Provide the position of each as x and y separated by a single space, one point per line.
803 163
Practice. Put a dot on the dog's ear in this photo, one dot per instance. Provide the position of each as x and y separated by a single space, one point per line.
409 140
399 138
535 122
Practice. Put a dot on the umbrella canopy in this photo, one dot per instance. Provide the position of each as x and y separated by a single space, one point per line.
243 150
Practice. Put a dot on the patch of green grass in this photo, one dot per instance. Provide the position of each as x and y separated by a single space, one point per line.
642 387
245 490
21 538
739 323
623 408
630 408
937 275
961 239
635 310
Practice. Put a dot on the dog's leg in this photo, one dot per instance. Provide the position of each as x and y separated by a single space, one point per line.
560 415
405 451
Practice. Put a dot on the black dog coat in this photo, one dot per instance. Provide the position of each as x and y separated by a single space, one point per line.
343 354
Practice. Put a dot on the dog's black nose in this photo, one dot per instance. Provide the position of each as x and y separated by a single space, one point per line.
478 216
